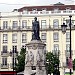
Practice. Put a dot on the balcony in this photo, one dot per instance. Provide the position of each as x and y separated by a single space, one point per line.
29 28
67 53
3 54
56 52
67 11
58 11
3 66
44 12
11 65
15 53
33 12
18 28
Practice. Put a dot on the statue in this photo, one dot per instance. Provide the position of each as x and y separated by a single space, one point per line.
27 57
31 58
35 28
39 60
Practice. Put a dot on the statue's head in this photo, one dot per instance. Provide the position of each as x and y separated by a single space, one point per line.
35 18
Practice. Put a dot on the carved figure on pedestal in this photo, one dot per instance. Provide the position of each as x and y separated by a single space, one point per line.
31 58
39 60
27 57
44 57
35 28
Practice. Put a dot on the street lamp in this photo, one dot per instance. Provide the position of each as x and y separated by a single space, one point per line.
64 30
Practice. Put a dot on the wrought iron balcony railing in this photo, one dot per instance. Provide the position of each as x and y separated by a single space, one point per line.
29 28
4 66
15 53
5 53
67 53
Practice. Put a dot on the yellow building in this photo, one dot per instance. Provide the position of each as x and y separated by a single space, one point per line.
16 31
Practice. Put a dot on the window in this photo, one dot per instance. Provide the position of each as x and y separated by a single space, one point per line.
55 36
24 11
67 36
56 9
24 46
24 38
56 47
24 24
68 47
4 49
14 38
5 38
68 22
44 9
34 9
15 24
14 48
55 23
43 23
4 61
43 37
66 61
14 61
5 24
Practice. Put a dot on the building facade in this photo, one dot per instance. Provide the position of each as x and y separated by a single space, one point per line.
16 31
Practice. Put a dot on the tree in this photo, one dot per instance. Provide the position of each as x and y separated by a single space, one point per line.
21 61
74 64
52 62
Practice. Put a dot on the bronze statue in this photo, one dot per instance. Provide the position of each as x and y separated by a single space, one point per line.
35 28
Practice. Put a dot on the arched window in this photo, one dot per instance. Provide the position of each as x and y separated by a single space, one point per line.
55 23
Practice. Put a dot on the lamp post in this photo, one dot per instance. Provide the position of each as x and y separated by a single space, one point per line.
64 30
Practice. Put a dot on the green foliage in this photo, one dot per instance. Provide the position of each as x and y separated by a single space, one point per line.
21 61
74 64
52 62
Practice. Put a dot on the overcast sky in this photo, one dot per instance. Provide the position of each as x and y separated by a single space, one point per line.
9 5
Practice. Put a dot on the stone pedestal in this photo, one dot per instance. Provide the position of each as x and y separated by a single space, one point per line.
35 58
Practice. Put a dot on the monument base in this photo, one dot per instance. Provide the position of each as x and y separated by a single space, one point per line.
35 58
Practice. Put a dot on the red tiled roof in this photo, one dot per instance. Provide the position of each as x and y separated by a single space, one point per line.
48 8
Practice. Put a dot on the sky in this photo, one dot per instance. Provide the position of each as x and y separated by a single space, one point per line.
10 5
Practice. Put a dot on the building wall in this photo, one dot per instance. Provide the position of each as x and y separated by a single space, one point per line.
48 29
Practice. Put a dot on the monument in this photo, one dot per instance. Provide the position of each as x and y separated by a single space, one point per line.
35 62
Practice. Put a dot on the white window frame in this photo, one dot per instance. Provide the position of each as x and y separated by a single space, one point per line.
4 61
14 38
5 38
55 23
24 37
67 36
24 23
68 47
4 49
56 36
24 46
14 48
15 24
43 24
5 24
43 37
56 46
